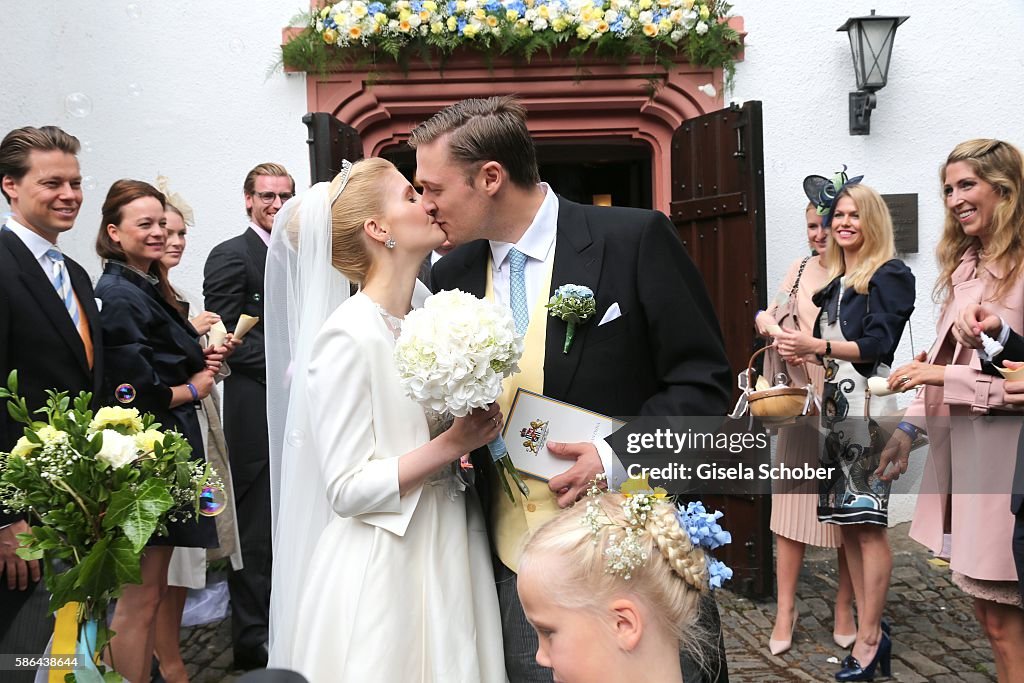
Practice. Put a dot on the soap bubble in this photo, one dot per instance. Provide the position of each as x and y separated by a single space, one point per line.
212 501
297 438
78 104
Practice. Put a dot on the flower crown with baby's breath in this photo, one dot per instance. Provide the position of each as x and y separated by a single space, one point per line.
683 534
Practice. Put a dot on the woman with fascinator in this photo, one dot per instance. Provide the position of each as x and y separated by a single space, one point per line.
382 569
864 308
794 519
964 509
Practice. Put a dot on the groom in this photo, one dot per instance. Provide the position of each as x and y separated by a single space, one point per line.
652 348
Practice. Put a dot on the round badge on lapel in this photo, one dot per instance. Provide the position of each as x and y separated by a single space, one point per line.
125 393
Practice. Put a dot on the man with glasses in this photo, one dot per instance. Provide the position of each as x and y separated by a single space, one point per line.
233 285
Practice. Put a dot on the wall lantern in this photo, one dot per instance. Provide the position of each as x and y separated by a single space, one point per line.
871 41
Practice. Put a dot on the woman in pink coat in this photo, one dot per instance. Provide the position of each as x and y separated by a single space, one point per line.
965 490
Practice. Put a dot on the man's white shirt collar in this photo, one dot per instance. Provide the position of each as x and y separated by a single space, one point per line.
36 244
538 239
264 234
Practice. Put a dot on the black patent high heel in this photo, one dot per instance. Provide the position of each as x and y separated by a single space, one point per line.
853 671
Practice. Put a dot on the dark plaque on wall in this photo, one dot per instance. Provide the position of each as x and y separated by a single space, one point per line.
903 208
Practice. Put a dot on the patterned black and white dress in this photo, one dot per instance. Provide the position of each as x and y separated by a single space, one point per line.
852 439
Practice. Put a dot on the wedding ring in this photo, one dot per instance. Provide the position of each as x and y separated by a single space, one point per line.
904 379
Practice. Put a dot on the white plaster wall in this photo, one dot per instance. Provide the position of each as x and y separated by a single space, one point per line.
180 88
955 75
187 89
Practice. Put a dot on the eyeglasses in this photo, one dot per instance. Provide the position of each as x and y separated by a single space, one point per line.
268 197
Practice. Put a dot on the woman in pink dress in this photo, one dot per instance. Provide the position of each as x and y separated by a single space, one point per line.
794 518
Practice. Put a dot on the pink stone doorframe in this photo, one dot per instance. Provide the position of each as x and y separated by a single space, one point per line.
592 103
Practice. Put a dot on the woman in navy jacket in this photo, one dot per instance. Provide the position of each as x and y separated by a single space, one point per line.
864 309
154 363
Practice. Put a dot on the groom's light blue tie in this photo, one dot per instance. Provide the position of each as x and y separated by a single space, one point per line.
62 283
517 289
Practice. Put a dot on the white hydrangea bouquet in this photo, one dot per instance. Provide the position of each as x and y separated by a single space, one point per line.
96 488
451 357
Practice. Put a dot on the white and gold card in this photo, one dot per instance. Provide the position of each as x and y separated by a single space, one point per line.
533 420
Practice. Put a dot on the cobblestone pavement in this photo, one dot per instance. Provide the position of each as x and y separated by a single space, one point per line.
935 636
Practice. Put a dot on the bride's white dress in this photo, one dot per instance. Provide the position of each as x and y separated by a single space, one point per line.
400 589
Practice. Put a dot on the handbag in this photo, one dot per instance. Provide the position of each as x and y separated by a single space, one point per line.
793 395
775 369
779 405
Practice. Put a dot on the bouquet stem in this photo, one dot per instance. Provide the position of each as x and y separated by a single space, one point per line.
499 454
570 332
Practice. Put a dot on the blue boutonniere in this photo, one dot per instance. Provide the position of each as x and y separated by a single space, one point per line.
575 305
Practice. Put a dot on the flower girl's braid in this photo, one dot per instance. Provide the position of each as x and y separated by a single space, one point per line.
687 561
610 544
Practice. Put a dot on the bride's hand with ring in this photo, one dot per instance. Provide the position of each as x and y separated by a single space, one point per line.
917 373
477 429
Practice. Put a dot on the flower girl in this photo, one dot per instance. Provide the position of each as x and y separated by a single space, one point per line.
612 586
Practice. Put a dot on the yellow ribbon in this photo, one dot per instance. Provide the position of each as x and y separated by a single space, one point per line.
65 638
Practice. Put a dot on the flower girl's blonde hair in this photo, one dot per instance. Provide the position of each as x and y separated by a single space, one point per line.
668 573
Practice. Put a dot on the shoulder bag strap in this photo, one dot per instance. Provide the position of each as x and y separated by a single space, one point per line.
799 274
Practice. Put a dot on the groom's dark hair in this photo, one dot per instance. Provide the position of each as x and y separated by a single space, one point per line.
482 130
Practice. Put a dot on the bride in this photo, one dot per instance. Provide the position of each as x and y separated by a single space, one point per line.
382 570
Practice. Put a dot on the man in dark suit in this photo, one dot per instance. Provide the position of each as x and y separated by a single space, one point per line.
233 285
652 348
49 333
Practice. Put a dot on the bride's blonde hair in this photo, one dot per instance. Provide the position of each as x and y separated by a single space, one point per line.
669 581
362 198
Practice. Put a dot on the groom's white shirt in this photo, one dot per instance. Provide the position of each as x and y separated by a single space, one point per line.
538 243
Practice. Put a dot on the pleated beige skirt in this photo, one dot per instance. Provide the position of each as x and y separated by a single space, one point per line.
795 505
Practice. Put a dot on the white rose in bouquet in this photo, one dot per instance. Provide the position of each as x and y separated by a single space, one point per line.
118 450
452 355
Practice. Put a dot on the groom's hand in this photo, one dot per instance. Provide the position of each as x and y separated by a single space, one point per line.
569 486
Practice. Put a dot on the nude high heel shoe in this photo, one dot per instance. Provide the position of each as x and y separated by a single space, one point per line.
844 641
777 647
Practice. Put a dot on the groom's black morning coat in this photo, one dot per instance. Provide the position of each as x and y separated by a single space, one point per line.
663 356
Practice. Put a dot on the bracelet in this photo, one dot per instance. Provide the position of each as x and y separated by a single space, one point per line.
908 429
192 390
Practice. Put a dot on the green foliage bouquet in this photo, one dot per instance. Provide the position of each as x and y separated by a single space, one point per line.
96 489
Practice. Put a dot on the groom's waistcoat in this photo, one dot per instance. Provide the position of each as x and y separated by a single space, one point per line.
512 524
